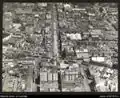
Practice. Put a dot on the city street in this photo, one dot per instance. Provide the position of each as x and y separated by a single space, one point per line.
29 82
54 30
85 80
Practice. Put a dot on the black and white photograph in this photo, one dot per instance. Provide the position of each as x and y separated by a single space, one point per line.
60 47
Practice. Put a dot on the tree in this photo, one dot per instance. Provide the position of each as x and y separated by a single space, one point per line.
30 40
22 28
59 81
64 54
16 20
101 9
74 51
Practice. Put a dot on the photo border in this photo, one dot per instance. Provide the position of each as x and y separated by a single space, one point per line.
60 93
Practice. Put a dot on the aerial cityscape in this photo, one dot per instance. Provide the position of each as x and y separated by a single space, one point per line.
60 47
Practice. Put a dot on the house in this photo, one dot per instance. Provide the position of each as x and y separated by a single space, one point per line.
11 64
113 11
8 13
76 36
17 26
7 38
23 11
4 48
85 35
17 36
109 62
42 4
82 54
111 32
111 35
26 61
7 24
29 29
36 15
95 33
69 48
63 65
47 29
70 76
48 16
67 6
109 71
74 66
79 9
91 14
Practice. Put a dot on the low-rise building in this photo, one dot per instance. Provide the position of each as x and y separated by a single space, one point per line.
48 76
42 4
98 59
70 76
82 54
95 33
67 7
76 36
23 11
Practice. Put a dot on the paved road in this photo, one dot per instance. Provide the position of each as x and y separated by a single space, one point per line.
30 79
54 30
6 83
85 80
